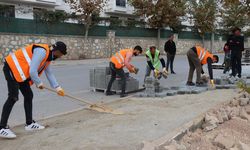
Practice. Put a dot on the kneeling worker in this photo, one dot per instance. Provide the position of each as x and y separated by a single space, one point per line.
154 62
198 56
117 62
21 69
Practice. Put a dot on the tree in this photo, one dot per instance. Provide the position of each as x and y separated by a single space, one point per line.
87 11
203 16
235 13
161 13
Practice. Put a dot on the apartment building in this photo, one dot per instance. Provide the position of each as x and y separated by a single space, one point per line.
24 8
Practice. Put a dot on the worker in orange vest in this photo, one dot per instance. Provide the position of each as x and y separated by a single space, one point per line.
117 62
198 56
23 68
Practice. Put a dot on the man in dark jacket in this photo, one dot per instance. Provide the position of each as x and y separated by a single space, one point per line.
170 49
236 45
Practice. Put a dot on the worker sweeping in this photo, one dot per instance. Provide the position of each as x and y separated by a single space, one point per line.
154 62
197 57
117 62
23 68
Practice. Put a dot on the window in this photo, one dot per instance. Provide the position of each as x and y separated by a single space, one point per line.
7 11
121 3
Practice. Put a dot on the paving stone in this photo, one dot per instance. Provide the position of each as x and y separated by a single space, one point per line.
174 88
220 86
171 93
162 94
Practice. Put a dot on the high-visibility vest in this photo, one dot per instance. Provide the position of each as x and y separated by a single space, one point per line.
119 58
203 55
155 61
19 62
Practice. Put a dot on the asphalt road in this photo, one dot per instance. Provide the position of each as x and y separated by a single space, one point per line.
73 76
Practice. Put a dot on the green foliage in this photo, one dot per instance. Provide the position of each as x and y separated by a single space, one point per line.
161 13
49 16
235 13
203 14
243 86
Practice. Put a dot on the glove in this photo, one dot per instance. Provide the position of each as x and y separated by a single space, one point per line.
136 70
212 83
164 70
40 86
156 73
60 91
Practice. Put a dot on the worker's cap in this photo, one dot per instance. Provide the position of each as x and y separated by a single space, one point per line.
59 45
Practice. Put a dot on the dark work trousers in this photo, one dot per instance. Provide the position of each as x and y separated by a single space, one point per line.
13 89
236 64
170 61
120 73
227 62
194 64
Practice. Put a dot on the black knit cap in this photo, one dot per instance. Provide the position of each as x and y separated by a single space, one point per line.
59 45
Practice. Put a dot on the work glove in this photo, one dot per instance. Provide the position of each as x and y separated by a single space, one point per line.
156 73
164 70
212 83
40 86
60 91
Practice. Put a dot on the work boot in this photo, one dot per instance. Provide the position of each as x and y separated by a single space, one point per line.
7 133
123 95
34 126
190 83
108 93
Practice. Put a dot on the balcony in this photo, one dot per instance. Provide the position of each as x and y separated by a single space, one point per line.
114 7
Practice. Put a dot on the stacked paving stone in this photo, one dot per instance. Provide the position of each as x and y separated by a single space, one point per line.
100 77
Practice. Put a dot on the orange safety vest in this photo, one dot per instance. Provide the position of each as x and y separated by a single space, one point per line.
119 58
203 55
19 62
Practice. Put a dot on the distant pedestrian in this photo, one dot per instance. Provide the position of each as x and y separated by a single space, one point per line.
236 45
227 59
170 49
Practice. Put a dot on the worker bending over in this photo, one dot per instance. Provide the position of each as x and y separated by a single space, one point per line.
117 62
154 62
198 56
23 68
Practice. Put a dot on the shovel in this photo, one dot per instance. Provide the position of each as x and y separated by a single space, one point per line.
96 107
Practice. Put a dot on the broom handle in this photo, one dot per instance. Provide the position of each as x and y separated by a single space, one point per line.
70 96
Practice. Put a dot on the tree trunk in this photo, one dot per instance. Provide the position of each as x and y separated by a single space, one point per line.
203 41
212 43
86 31
158 38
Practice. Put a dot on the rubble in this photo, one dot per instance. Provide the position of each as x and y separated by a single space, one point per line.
224 142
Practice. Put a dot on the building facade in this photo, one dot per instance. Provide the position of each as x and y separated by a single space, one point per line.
24 9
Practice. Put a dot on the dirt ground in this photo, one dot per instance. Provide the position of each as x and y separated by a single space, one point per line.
145 119
236 129
224 128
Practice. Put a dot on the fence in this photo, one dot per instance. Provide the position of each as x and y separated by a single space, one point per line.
24 26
